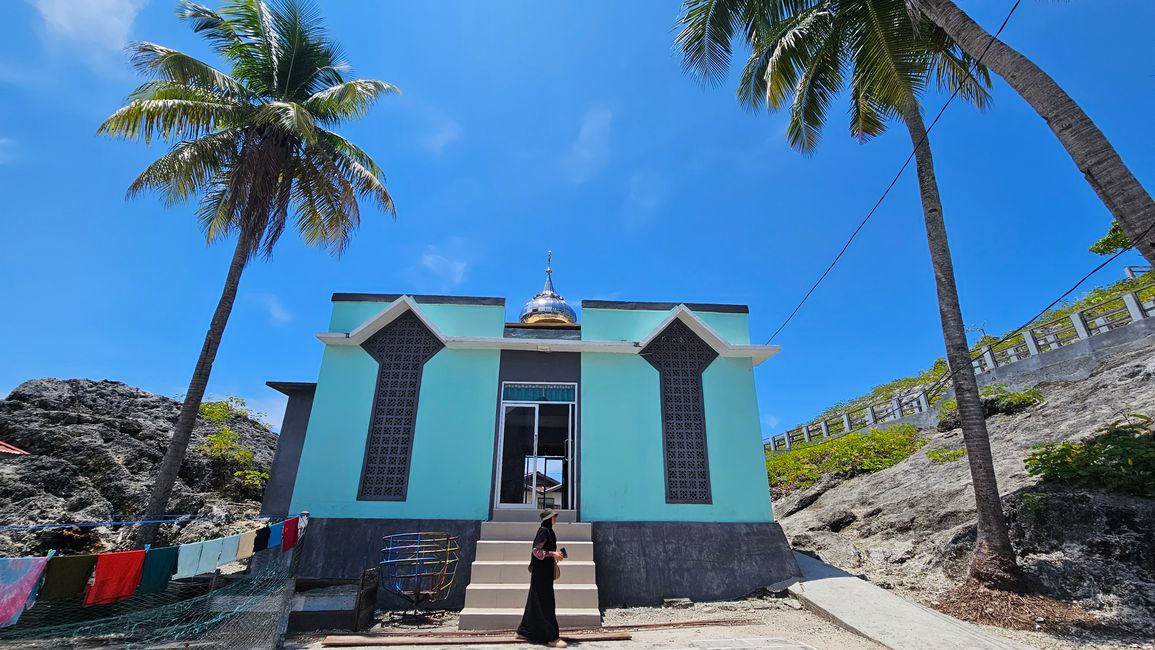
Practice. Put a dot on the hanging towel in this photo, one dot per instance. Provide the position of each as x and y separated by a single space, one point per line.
245 548
229 546
115 578
289 534
159 566
262 540
19 578
187 560
275 535
210 552
66 577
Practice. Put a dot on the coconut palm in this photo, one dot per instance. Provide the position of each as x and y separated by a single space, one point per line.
255 147
803 54
1093 154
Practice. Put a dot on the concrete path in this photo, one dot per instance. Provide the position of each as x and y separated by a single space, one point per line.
884 617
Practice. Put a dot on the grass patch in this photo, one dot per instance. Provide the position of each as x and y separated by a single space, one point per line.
857 453
946 455
1119 458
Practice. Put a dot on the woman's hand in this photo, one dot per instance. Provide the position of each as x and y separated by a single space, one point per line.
557 556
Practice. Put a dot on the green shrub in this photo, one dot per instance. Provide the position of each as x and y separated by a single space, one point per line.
851 455
1007 401
946 455
252 478
223 410
1120 458
224 445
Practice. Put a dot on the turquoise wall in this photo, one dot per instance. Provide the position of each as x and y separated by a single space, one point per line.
450 471
622 466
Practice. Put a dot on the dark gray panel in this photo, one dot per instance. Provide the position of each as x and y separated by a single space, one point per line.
343 548
420 299
567 334
283 473
680 357
665 306
401 349
640 563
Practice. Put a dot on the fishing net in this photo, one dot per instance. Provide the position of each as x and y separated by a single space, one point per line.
245 608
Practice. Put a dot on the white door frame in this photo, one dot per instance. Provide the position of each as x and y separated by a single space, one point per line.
570 446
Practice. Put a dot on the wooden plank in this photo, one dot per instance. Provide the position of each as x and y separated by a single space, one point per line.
352 641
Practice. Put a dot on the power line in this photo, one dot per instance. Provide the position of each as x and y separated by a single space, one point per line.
901 171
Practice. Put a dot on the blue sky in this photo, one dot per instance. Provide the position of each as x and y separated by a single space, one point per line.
526 126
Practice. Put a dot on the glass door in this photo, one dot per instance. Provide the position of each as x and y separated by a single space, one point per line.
518 445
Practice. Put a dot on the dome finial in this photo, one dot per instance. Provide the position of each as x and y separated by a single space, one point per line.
548 306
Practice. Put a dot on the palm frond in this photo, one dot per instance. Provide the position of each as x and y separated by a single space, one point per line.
170 119
190 168
291 117
160 62
348 100
707 29
816 88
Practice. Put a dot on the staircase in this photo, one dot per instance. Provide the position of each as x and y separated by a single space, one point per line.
495 597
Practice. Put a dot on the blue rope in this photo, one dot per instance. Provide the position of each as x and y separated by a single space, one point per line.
182 519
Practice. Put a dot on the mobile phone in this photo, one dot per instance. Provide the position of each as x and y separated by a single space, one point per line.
563 552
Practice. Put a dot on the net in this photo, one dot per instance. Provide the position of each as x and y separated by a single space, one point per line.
246 608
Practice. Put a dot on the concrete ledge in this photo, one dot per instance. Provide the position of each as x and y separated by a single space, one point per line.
641 563
883 617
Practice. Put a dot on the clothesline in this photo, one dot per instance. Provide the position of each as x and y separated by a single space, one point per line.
129 522
110 577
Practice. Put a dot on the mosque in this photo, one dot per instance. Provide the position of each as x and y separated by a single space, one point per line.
638 422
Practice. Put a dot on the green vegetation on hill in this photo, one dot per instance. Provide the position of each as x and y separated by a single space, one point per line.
939 369
1119 458
851 455
232 462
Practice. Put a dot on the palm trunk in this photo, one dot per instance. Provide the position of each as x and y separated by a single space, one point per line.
174 455
1108 175
993 563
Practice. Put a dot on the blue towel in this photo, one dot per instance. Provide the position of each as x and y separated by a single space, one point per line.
275 535
210 552
229 546
187 560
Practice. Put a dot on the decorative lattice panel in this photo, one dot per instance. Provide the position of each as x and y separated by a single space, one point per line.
401 349
680 357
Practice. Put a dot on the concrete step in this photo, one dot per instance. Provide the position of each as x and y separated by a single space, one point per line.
509 531
502 550
568 596
508 618
515 572
532 516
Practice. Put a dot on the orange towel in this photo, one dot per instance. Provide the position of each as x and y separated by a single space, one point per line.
115 578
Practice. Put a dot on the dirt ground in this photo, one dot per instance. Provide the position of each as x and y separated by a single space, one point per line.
778 623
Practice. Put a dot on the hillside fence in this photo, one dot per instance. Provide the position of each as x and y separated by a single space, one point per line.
1032 341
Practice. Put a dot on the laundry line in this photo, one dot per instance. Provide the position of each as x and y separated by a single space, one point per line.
169 519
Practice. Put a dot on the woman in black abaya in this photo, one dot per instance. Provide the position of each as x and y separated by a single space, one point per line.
539 623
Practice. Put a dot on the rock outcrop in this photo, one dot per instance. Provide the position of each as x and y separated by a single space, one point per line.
94 447
912 526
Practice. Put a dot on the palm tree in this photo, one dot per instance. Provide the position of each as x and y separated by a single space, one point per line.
255 146
803 53
1093 154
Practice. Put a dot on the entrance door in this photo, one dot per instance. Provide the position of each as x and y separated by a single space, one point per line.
536 468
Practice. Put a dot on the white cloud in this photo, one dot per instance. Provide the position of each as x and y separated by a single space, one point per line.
647 191
100 24
278 314
590 151
441 137
7 150
449 272
771 422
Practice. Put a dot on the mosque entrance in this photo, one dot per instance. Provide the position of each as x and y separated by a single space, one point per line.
538 421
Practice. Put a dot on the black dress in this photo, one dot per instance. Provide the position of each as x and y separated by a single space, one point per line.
539 623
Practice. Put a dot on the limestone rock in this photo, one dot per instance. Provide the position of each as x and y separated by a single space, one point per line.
913 524
93 449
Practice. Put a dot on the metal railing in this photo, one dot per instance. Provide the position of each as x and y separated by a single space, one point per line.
1119 311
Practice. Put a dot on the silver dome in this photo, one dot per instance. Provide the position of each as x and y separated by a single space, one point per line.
548 306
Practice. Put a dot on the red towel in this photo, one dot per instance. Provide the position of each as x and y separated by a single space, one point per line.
115 578
289 534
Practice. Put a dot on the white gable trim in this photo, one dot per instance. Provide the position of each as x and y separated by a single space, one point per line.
756 353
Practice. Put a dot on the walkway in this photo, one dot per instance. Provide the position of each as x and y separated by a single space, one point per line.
884 617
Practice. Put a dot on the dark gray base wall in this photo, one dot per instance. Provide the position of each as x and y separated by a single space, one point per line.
342 548
640 563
